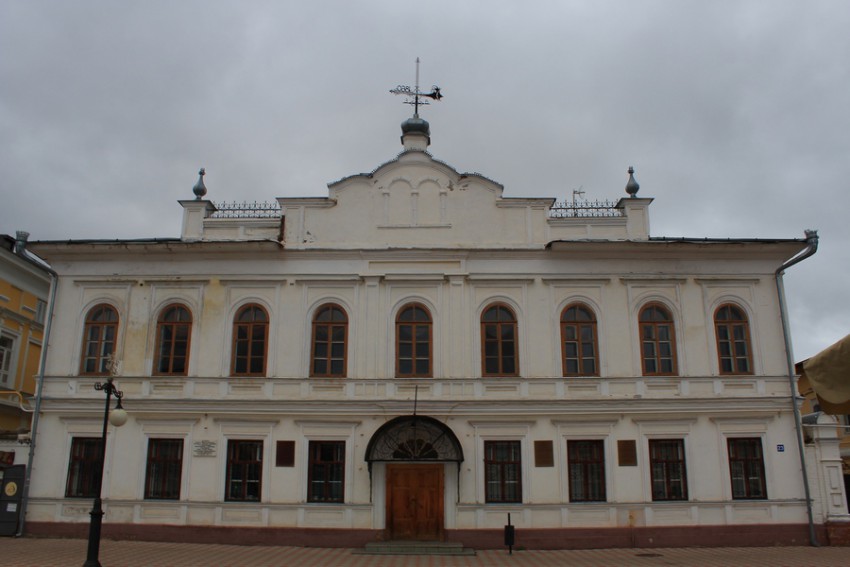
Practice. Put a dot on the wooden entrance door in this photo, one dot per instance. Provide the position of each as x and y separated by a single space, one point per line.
415 501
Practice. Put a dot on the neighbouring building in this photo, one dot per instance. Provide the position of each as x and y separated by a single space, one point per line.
25 284
24 289
825 384
417 356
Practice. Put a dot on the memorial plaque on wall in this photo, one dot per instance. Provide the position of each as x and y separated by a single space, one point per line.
543 454
285 455
204 448
627 453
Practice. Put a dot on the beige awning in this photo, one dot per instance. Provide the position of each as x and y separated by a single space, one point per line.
828 373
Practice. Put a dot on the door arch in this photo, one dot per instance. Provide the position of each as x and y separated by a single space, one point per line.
414 438
415 449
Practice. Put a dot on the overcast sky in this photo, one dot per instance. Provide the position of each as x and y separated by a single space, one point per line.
735 114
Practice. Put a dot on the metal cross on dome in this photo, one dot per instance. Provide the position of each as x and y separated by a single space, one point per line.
416 94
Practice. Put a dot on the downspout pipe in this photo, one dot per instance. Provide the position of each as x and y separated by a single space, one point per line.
25 491
811 248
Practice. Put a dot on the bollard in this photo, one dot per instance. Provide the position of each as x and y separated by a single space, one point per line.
510 536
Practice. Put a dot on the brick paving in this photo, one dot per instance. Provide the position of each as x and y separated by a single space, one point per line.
41 552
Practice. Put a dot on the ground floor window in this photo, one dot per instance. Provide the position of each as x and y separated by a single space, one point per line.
83 468
586 470
502 471
667 469
746 469
244 470
164 469
326 471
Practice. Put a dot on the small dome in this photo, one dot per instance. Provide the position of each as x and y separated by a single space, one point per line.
415 125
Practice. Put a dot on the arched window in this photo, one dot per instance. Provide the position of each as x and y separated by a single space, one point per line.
250 338
733 340
658 341
499 355
330 337
173 332
413 342
99 339
579 349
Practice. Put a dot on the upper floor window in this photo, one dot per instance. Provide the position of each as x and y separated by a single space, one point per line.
658 341
173 331
499 342
733 340
578 341
7 352
99 339
330 337
413 342
250 339
40 311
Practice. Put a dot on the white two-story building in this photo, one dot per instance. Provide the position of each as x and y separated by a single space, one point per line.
418 355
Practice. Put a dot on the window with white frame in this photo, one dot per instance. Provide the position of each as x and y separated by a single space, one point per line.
7 354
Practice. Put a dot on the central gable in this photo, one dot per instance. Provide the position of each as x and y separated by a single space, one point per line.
415 201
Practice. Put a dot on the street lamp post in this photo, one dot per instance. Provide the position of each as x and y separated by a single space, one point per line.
117 418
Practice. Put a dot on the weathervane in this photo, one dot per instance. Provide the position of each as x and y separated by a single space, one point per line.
415 94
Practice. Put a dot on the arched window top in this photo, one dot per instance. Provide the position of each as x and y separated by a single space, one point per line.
331 313
655 312
252 313
579 348
499 312
729 312
330 342
102 313
414 313
250 341
175 314
578 312
174 331
658 341
99 336
413 342
499 351
732 331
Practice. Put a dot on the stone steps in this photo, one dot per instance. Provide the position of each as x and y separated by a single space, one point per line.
414 548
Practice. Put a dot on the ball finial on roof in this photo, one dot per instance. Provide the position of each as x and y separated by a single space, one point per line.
632 186
200 189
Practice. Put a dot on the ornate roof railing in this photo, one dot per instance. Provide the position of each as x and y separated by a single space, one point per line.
585 209
247 210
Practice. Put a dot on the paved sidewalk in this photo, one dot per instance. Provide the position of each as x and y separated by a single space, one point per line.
37 552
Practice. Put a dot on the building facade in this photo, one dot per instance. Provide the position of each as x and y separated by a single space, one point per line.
417 356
